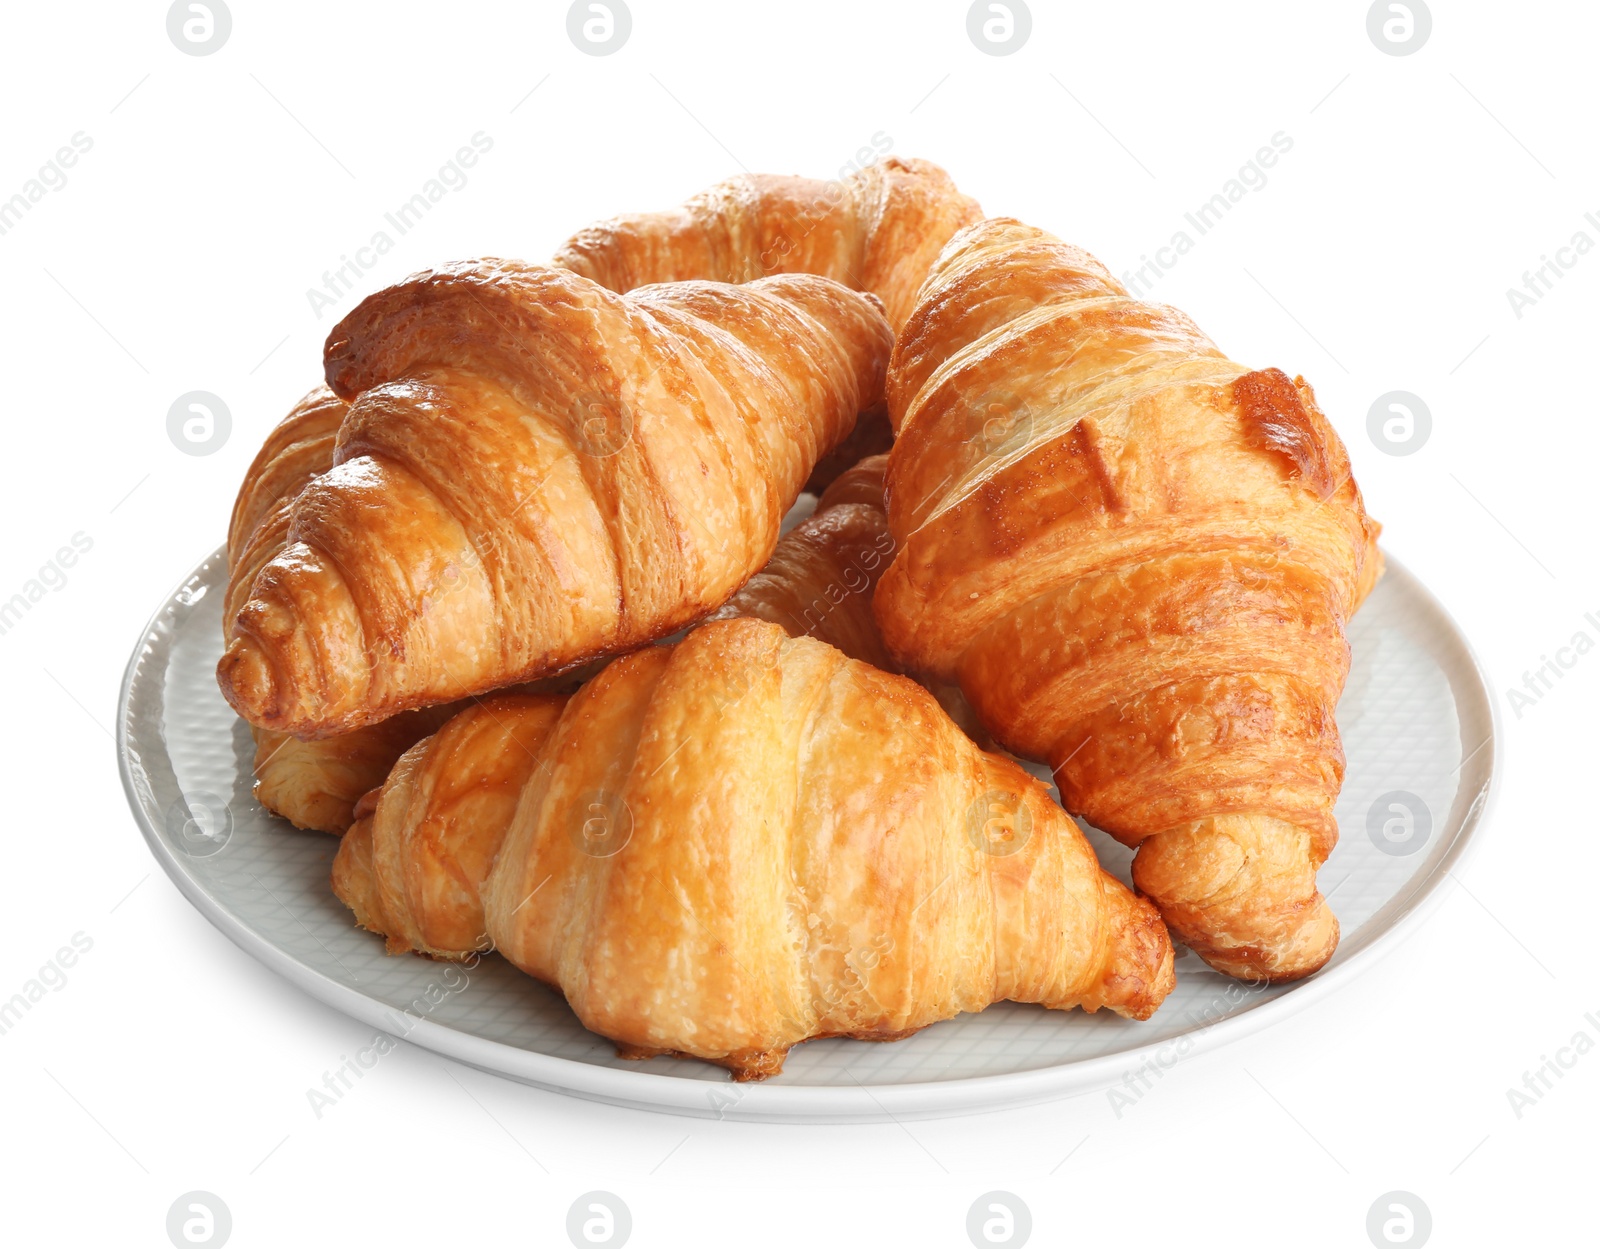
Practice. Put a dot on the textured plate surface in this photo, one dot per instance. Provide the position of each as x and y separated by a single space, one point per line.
1418 726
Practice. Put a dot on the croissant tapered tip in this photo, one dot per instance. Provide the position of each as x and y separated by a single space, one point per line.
248 681
1139 974
1240 891
1305 952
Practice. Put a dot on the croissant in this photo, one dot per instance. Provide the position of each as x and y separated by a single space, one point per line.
411 865
536 473
878 229
730 845
313 784
1137 558
820 579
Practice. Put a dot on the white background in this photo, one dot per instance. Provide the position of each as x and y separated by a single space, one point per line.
178 256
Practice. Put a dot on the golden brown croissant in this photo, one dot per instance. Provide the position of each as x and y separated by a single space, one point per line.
312 784
413 863
425 833
821 579
538 472
1137 557
878 230
316 783
727 846
820 583
402 865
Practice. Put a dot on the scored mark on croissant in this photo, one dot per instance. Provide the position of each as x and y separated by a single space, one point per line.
1067 419
1277 418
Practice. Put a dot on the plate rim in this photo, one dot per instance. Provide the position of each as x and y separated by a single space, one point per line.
866 1103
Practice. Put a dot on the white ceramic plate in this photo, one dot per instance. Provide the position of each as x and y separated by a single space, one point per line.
1418 726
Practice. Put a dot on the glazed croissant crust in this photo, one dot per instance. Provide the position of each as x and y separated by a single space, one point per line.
878 230
299 448
730 845
413 864
1137 558
819 581
411 867
313 784
535 472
